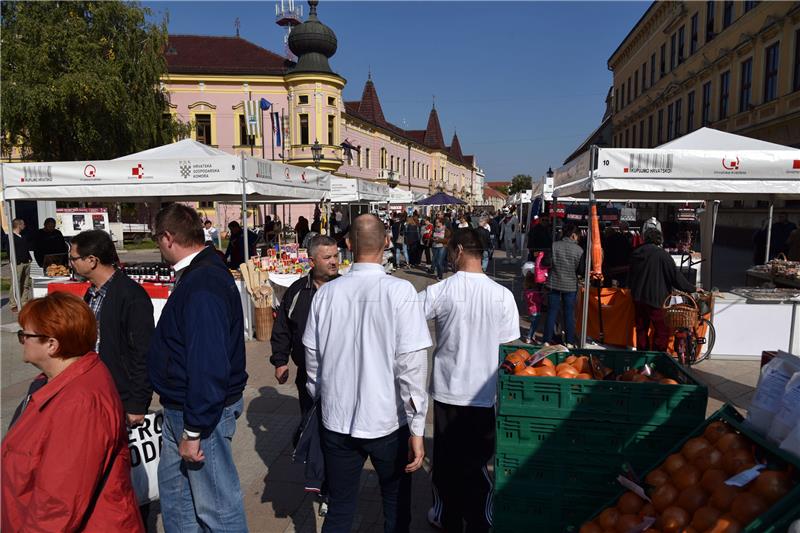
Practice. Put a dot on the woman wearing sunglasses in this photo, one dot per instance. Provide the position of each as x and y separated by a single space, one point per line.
65 460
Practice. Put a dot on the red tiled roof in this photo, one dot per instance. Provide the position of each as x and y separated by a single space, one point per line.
489 191
416 135
201 54
433 132
370 106
469 159
455 148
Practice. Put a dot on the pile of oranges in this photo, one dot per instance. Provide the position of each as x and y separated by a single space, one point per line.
688 493
518 363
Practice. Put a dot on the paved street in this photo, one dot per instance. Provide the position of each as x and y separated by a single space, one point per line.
271 484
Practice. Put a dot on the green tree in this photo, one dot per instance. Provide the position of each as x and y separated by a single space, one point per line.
81 80
520 182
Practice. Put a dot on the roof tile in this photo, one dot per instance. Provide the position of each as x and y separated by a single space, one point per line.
201 54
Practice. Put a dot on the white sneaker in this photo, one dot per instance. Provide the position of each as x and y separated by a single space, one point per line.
433 519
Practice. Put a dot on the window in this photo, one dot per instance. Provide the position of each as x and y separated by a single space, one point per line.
660 127
796 81
404 167
358 157
727 14
203 129
693 36
749 4
747 85
670 122
629 91
678 117
205 205
367 157
710 7
635 84
331 101
681 41
673 51
304 129
331 129
303 99
633 137
616 99
244 137
391 162
644 76
383 158
650 131
622 98
652 70
627 138
690 112
724 90
771 73
641 133
434 174
663 65
705 117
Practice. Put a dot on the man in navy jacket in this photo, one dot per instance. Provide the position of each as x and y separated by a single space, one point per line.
196 364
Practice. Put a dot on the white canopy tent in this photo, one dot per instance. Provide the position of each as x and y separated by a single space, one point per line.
181 171
705 165
357 190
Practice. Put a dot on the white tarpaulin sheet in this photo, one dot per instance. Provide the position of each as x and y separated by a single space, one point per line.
357 190
735 166
182 170
398 196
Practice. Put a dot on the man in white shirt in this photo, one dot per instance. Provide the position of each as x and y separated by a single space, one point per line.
473 316
366 345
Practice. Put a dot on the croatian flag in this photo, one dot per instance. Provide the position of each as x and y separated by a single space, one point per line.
276 127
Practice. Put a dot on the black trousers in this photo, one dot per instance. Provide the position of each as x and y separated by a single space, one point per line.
344 461
306 402
463 443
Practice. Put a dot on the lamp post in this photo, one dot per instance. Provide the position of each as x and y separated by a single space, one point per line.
316 153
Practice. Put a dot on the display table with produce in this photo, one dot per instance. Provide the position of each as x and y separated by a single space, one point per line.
778 273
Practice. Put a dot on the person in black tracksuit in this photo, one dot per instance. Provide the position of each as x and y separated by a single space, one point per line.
287 332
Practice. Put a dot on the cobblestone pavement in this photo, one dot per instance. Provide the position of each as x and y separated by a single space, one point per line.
271 483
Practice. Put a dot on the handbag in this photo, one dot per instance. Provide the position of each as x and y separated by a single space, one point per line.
144 442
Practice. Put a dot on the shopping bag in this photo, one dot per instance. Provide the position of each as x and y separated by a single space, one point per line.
144 442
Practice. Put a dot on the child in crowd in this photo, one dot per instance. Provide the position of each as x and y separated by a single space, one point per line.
533 293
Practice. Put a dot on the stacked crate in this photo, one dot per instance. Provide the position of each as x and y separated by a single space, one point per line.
561 443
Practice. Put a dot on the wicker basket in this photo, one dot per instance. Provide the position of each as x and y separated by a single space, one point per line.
682 315
263 322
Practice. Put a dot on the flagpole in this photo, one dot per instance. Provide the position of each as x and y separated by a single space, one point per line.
272 137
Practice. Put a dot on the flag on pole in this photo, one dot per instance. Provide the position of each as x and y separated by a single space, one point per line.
253 117
276 128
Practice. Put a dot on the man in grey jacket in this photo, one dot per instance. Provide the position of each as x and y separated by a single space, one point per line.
567 258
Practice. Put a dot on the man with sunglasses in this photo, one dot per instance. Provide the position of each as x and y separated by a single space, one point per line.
124 316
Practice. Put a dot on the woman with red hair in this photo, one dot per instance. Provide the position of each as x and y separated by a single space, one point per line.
65 460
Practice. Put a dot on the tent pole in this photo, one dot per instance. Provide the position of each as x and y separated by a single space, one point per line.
769 232
587 251
249 313
12 257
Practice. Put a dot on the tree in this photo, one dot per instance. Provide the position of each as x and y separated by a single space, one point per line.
81 80
520 182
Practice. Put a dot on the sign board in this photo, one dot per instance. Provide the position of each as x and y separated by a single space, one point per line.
70 222
687 214
627 214
144 443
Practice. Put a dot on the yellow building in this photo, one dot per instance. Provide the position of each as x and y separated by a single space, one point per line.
732 66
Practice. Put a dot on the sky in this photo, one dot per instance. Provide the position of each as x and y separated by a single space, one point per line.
523 83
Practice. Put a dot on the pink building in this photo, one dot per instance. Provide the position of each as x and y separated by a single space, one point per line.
210 79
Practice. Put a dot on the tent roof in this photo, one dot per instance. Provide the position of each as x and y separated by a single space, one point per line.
441 198
184 149
711 139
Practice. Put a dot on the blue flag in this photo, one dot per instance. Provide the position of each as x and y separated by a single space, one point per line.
265 104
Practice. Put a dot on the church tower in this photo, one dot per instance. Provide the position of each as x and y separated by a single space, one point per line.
315 95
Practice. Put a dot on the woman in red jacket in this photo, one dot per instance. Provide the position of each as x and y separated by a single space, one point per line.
65 460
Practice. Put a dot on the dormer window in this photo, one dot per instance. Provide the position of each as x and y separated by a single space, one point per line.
303 99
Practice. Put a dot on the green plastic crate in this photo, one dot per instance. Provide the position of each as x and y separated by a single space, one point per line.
775 520
519 509
527 445
682 405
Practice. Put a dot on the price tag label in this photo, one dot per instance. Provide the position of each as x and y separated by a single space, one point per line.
743 478
633 487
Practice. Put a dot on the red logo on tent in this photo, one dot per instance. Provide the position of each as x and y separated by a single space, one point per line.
89 171
625 169
303 177
137 171
730 164
796 164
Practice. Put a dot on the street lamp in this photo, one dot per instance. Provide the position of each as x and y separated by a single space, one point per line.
550 172
316 153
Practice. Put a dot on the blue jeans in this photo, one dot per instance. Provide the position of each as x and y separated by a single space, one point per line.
201 496
344 461
534 325
554 299
440 260
400 252
485 260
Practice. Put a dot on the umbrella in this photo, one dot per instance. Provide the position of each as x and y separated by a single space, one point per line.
441 198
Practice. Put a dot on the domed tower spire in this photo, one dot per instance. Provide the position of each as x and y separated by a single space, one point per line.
313 43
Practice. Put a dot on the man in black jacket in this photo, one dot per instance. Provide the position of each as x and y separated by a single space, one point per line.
48 241
287 333
124 315
653 275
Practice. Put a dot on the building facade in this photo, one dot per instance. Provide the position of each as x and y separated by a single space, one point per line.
732 66
210 78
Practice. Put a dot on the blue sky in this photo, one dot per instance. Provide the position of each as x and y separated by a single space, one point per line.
523 83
